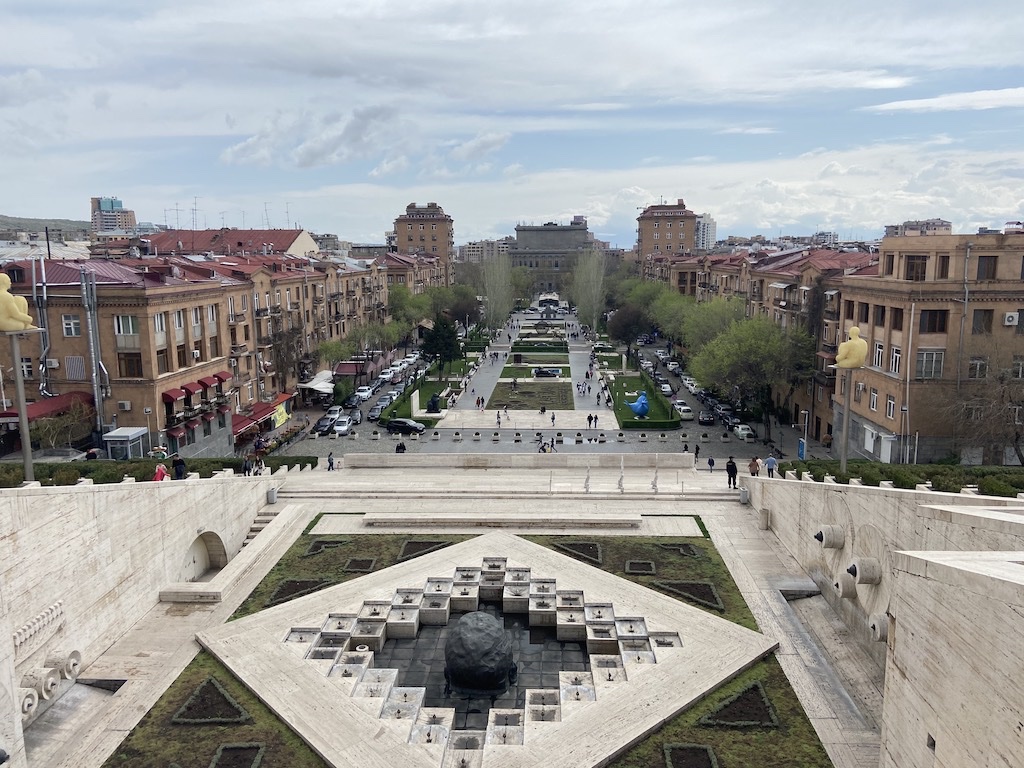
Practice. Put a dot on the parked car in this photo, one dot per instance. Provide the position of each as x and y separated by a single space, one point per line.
660 378
662 355
602 346
352 401
324 425
334 411
356 416
375 412
666 390
672 366
706 418
364 393
384 401
685 412
547 373
744 431
405 427
343 425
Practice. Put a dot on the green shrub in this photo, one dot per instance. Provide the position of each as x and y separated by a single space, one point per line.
64 475
993 485
949 482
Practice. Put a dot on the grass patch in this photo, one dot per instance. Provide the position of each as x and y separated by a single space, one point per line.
157 740
661 415
531 395
526 372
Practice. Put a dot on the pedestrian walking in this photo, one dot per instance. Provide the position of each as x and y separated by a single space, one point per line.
595 421
731 470
499 418
247 466
330 461
770 464
696 452
711 463
179 468
552 424
753 466
590 421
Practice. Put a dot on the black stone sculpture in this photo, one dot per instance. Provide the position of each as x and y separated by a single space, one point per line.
478 656
434 406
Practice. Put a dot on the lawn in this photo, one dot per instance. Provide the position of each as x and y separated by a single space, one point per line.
661 414
530 395
684 568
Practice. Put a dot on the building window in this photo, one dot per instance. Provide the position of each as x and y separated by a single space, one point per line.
890 407
248 390
179 319
896 318
207 428
929 363
214 347
879 355
987 267
197 351
982 322
848 310
181 356
126 325
245 301
977 368
190 436
889 259
163 361
821 394
942 267
222 420
895 358
656 235
873 399
915 268
862 312
160 323
211 314
826 333
72 325
129 365
197 316
880 315
1017 367
26 367
934 320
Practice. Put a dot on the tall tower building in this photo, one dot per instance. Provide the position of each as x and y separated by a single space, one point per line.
107 214
427 229
706 233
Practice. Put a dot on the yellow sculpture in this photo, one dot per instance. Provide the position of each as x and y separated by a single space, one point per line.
853 352
14 314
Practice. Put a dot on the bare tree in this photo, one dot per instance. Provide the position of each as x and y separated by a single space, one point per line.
587 288
498 289
63 428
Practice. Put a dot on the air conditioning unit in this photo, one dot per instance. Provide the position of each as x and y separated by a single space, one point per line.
54 363
195 354
1010 318
124 405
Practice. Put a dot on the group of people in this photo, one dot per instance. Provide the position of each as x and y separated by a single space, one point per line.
177 466
755 466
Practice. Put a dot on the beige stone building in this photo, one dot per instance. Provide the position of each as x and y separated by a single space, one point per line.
669 227
427 229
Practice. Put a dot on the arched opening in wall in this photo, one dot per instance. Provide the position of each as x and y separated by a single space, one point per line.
205 557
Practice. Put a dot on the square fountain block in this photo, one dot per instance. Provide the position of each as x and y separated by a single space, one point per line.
660 640
467 575
494 564
435 610
601 638
403 704
576 686
375 609
599 612
328 646
437 586
403 622
302 635
492 586
570 625
518 576
371 633
465 597
542 611
339 622
607 669
515 598
570 598
545 713
407 597
433 726
636 651
375 684
543 587
352 673
631 627
505 736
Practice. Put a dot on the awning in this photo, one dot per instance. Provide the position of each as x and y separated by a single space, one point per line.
51 406
223 376
209 382
176 432
260 412
781 285
192 387
223 408
827 355
209 416
172 395
323 383
831 291
192 423
801 288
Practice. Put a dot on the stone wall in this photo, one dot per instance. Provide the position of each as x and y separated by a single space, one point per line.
872 524
521 460
79 565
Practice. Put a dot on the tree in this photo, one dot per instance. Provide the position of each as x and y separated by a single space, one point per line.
464 304
441 343
752 356
706 320
669 312
333 352
522 283
587 287
498 290
63 428
626 323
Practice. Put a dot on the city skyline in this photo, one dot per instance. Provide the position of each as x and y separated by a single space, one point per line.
335 119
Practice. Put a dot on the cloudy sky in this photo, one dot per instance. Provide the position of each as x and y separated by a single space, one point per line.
771 115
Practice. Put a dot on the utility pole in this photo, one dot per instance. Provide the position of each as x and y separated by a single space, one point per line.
222 219
266 214
287 216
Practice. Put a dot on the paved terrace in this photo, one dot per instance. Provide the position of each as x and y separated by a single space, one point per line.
844 710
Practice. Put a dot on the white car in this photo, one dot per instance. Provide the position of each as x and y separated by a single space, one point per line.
666 390
343 425
364 393
685 412
672 365
662 355
693 386
743 431
334 412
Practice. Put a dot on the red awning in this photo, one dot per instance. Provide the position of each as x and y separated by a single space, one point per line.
172 395
192 423
209 382
348 369
51 406
192 387
223 376
260 412
223 408
209 416
176 432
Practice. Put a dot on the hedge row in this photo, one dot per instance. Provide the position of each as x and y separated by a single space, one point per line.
103 471
991 480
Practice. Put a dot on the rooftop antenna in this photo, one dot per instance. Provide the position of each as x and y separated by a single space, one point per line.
177 216
222 218
266 214
287 216
195 211
243 219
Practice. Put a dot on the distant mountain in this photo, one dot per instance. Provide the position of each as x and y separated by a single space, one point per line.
38 225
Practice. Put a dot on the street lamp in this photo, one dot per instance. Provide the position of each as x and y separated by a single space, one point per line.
149 435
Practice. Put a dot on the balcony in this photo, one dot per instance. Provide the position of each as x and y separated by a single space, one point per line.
262 342
784 303
756 296
318 300
263 312
337 316
335 295
830 314
236 318
351 292
239 350
275 310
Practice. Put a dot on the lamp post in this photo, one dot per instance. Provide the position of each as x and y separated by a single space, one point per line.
844 447
149 435
19 382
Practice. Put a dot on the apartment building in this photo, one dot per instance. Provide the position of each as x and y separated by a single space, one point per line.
549 251
666 227
484 250
920 228
427 229
705 233
108 214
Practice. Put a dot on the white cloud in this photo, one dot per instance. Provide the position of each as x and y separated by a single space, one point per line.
753 130
1004 98
479 146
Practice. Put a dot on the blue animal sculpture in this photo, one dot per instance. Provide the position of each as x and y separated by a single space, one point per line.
640 407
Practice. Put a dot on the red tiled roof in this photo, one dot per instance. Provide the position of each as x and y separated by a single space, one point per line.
51 406
222 241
